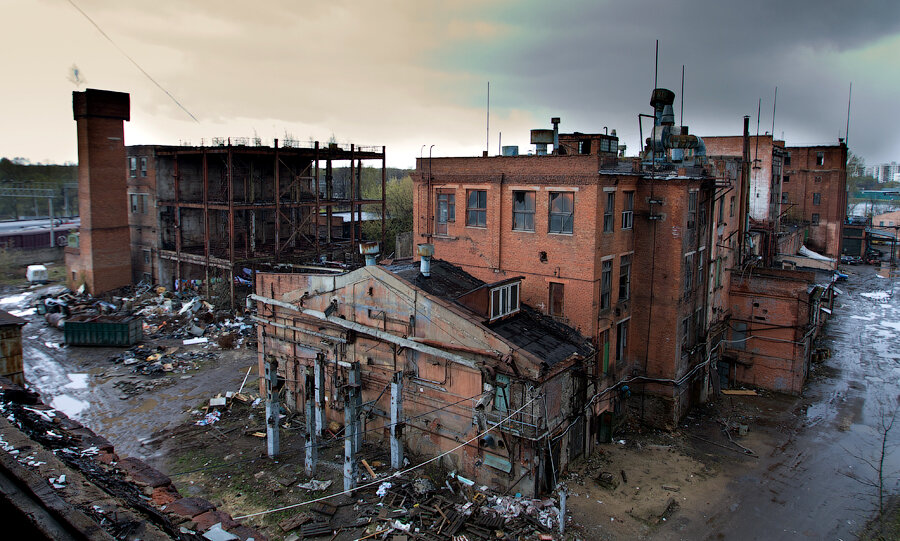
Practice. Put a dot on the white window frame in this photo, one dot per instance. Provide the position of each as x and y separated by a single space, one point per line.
504 299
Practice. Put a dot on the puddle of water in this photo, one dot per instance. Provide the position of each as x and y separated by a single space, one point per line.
877 295
862 318
14 299
69 405
892 324
22 313
78 381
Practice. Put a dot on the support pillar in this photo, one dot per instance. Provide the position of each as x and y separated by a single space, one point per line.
396 426
312 440
319 383
272 409
351 427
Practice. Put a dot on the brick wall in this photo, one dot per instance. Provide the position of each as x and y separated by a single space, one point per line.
829 180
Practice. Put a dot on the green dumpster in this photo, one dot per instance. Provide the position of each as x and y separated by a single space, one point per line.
103 330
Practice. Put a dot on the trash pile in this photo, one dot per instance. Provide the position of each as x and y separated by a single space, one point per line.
160 360
164 314
417 509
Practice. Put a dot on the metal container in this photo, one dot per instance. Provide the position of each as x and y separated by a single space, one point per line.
103 331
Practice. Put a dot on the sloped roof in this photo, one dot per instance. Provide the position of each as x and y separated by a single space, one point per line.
528 329
8 319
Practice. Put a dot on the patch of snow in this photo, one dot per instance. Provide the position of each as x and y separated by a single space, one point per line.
78 381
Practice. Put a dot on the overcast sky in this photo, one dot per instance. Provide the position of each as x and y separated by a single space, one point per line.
411 73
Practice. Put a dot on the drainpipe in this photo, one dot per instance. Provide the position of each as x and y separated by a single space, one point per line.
555 122
426 252
745 189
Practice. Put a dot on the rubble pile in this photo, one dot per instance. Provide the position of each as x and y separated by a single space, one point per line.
165 315
160 360
416 509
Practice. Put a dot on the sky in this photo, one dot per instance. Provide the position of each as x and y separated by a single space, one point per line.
412 74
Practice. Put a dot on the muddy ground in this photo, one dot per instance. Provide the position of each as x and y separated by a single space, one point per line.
790 476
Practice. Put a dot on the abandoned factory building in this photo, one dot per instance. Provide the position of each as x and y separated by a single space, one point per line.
466 355
210 215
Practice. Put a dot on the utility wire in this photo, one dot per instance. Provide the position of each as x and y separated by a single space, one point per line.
397 474
126 55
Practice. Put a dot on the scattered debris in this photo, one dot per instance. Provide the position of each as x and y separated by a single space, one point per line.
315 485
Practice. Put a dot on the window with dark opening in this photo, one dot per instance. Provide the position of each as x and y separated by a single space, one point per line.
820 158
143 166
624 277
523 211
476 208
605 283
608 212
446 212
562 210
628 211
621 340
817 198
815 219
692 210
132 167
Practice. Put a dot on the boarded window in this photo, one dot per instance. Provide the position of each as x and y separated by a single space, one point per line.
501 395
476 208
523 211
562 212
603 346
557 296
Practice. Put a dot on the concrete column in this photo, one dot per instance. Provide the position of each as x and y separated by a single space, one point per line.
272 409
396 427
351 428
312 440
320 394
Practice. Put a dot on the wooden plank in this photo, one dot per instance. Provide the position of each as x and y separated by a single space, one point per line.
368 468
739 392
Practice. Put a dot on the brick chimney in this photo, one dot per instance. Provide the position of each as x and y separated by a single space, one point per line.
102 259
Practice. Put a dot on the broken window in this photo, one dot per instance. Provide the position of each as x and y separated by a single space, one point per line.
608 212
787 158
557 293
787 178
785 198
147 256
143 166
562 210
685 335
624 277
698 325
603 348
446 212
504 300
584 147
815 219
688 273
605 283
621 340
692 210
476 208
820 158
501 393
628 211
523 211
132 167
817 179
701 213
731 211
700 261
817 199
721 209
134 203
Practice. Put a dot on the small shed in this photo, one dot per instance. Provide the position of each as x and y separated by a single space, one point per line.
11 365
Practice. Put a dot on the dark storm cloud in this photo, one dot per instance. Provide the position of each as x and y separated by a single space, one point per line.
593 63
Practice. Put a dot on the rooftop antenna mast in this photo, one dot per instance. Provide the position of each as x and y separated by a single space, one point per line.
487 144
847 135
681 122
774 103
756 151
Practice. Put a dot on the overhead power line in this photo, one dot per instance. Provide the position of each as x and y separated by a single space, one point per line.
132 60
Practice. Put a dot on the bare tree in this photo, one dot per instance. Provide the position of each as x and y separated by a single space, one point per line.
875 477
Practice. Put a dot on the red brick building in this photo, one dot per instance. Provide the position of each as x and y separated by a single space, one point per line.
619 251
815 193
766 170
